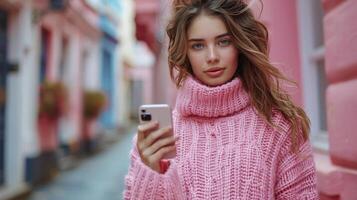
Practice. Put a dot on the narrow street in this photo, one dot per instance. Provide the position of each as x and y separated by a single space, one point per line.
100 177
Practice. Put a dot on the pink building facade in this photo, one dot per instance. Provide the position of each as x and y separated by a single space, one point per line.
69 41
340 175
72 46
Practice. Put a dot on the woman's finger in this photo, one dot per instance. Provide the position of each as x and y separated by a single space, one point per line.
168 141
147 128
154 136
156 157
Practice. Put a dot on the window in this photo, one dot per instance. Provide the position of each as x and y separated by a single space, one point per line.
313 68
63 60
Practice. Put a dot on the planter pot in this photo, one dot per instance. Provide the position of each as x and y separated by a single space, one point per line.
47 128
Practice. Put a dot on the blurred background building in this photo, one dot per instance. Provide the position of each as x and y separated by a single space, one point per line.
73 72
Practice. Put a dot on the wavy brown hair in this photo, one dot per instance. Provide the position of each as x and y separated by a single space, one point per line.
259 77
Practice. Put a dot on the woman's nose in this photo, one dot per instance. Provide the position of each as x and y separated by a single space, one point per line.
212 56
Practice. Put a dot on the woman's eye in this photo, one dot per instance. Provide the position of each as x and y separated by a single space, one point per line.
197 46
224 42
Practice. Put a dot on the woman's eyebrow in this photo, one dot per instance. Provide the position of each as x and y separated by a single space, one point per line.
200 39
196 40
223 35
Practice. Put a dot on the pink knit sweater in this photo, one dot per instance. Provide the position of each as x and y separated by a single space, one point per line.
225 151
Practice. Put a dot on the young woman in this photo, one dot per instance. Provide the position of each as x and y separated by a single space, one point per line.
237 134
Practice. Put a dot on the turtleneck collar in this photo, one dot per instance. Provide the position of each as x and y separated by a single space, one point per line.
197 99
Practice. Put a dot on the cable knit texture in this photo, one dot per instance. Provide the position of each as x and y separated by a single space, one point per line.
225 151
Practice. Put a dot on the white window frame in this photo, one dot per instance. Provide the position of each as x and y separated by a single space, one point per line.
310 56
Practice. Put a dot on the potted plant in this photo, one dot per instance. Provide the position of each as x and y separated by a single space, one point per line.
53 100
94 103
52 106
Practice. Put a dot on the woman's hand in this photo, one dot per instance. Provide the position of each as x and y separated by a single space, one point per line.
153 143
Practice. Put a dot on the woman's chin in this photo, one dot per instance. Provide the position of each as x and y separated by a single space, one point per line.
214 82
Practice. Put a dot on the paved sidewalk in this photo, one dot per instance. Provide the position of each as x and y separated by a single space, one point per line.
98 178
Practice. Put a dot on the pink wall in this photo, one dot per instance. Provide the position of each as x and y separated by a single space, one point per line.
341 70
280 16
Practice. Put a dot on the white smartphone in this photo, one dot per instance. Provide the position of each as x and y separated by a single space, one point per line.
160 113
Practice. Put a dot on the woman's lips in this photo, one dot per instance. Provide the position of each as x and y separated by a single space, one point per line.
215 72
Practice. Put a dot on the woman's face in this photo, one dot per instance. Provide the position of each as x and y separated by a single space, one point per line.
212 55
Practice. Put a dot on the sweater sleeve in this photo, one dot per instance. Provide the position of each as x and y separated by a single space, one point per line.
296 174
142 182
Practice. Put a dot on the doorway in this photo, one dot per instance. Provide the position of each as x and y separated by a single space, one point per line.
3 74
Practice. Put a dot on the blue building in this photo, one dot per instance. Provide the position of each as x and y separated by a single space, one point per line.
109 21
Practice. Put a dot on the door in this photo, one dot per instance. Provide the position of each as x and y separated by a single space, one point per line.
45 53
108 88
3 72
